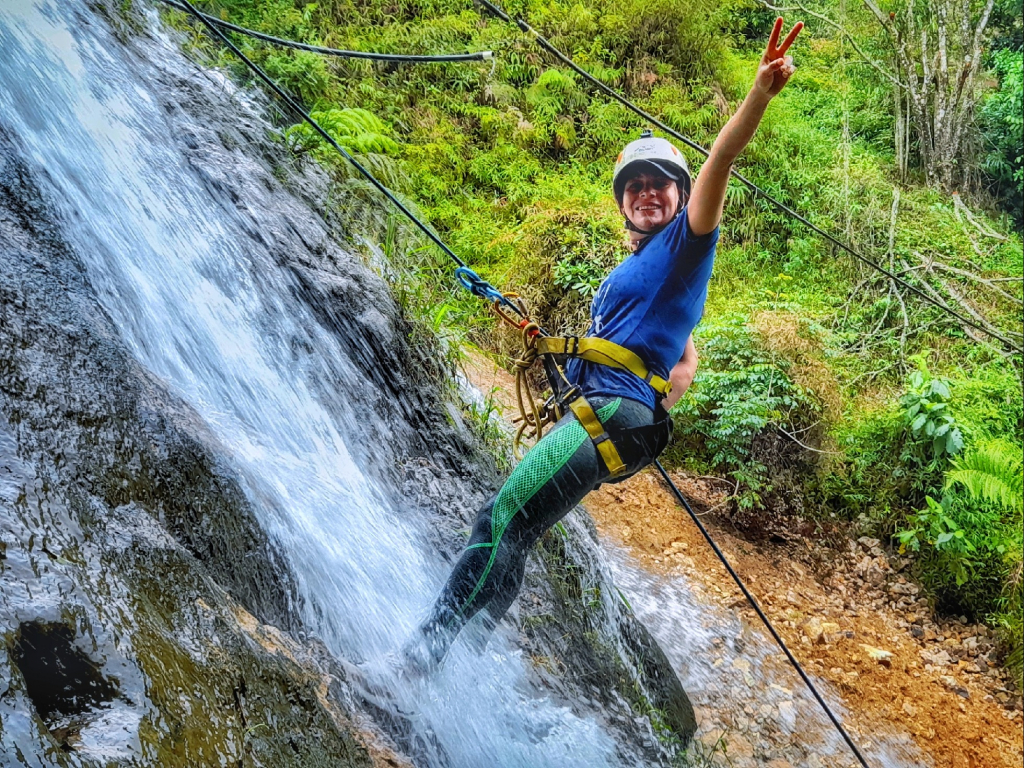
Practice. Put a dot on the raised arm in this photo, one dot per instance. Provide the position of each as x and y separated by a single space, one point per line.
708 198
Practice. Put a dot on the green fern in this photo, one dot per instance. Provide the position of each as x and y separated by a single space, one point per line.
991 473
362 134
357 130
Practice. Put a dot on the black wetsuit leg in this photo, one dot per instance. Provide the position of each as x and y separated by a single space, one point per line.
550 480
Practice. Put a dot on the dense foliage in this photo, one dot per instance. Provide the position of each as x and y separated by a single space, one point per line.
1004 119
824 391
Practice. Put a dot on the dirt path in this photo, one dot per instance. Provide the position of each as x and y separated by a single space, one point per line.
849 616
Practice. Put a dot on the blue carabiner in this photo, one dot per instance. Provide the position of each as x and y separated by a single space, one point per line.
476 285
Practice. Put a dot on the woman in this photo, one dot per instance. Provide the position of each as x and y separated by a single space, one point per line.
650 305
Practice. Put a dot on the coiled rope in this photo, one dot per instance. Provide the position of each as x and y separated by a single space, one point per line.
613 94
394 57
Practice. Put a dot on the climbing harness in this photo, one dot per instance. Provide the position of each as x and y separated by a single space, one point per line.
554 351
392 57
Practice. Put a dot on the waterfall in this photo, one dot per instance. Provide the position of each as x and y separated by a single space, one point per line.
198 295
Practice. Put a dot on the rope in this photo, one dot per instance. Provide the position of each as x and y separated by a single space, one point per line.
397 57
208 22
760 613
611 93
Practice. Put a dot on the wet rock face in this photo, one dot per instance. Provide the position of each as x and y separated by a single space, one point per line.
60 679
135 585
103 422
573 617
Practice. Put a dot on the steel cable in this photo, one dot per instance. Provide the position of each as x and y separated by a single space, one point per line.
393 57
760 613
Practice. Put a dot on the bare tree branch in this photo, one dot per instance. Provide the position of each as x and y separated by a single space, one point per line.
959 207
977 279
842 30
805 445
970 332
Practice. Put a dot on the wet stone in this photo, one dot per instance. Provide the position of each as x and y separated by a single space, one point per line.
60 679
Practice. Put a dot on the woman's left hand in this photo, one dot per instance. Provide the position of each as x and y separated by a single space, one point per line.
776 67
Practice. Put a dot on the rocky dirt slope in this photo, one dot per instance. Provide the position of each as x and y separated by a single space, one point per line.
851 614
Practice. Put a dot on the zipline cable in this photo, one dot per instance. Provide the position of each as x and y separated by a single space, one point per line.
611 93
472 281
394 57
764 619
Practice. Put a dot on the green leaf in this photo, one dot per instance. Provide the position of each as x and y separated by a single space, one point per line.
954 442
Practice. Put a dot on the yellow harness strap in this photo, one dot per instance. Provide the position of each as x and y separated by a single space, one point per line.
586 416
604 352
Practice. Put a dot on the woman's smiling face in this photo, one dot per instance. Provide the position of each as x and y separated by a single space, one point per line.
650 201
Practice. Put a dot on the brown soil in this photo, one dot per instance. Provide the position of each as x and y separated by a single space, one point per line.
903 692
834 608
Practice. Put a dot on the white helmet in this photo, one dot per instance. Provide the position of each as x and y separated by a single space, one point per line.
656 153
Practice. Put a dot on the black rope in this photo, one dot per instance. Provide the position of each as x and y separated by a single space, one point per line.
288 100
611 93
761 614
396 57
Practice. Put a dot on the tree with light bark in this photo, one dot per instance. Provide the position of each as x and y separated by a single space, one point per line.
933 63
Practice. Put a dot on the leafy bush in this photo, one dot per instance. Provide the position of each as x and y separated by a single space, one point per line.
584 278
741 391
926 414
969 544
948 550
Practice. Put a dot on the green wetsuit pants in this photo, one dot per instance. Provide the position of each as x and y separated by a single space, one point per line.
549 481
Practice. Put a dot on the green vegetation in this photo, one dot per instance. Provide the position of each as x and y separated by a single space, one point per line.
824 391
1004 120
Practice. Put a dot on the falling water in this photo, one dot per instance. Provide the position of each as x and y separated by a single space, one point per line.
199 298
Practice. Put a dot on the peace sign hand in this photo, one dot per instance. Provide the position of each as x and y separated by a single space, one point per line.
776 68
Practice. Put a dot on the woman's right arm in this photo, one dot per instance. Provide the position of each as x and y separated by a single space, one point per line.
704 210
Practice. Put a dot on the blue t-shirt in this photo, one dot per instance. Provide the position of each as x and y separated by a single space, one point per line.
649 304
